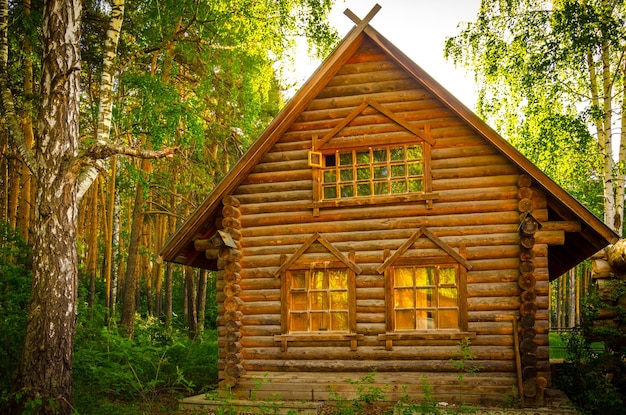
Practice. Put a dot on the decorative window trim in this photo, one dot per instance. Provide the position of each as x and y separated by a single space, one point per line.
343 262
322 146
452 257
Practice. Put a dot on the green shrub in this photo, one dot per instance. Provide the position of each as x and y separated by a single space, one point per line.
15 280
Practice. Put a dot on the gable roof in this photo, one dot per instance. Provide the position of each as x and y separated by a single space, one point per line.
593 235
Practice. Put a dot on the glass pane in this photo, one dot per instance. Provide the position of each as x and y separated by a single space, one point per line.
319 321
347 190
298 280
363 173
346 175
318 301
448 319
397 153
338 279
404 298
330 176
318 280
298 301
339 321
398 186
414 153
447 297
416 186
330 192
298 321
424 276
405 320
447 276
381 188
380 172
339 300
363 157
424 319
380 155
345 159
416 169
424 297
397 170
403 277
363 189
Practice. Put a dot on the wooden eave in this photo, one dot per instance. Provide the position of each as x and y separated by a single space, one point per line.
594 234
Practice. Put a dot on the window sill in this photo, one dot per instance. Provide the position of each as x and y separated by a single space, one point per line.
424 335
375 200
284 339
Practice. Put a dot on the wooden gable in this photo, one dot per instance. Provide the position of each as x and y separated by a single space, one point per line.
368 93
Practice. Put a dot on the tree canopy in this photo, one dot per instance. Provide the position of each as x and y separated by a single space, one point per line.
551 80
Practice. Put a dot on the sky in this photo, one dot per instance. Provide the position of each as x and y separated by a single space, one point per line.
419 29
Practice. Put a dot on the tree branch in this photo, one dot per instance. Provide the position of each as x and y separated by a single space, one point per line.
104 151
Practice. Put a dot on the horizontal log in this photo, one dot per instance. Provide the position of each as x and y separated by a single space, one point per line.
378 354
484 171
327 224
277 177
494 289
380 366
493 303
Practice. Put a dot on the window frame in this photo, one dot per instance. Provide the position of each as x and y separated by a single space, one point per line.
318 183
307 291
436 286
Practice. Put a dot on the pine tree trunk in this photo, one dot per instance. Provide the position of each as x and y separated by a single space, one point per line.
45 366
132 266
201 300
169 273
192 317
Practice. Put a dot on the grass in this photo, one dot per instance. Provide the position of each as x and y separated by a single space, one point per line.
558 346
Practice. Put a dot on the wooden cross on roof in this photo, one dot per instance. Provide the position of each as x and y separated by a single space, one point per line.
362 23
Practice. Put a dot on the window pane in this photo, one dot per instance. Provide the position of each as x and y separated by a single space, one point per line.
298 280
363 173
318 301
380 155
416 186
425 319
448 319
318 280
380 172
338 279
339 321
424 297
403 277
404 298
414 153
397 170
330 160
345 159
416 169
298 301
363 189
447 276
319 321
347 190
298 321
398 186
363 157
339 300
330 192
381 188
397 153
447 297
424 277
405 320
330 176
346 175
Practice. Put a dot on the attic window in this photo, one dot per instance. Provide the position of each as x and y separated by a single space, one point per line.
373 171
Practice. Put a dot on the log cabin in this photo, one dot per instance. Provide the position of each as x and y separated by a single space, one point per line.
377 224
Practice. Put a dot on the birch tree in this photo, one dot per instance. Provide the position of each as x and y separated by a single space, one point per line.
551 79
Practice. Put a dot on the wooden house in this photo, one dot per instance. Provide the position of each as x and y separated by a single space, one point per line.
375 225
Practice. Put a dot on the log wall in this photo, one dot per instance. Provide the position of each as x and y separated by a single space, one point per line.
477 210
